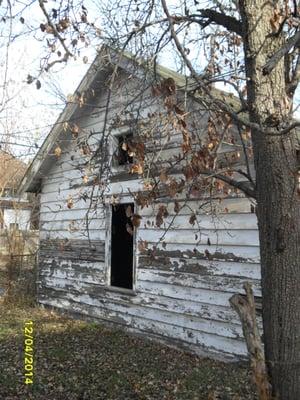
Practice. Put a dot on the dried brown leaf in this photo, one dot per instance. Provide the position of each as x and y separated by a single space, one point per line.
57 152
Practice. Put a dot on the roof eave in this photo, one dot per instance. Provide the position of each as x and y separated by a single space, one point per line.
32 178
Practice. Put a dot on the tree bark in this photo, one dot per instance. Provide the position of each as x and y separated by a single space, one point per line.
278 210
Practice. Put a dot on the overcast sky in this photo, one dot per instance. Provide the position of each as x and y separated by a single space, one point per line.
26 114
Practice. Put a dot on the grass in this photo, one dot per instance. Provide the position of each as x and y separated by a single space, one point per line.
76 360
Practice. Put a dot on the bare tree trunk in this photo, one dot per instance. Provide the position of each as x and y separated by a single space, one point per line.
278 209
279 229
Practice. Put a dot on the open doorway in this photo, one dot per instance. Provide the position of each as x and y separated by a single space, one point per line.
122 246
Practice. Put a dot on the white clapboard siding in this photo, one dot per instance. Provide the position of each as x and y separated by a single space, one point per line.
247 253
64 172
72 234
66 275
225 206
49 213
60 204
206 311
49 266
60 195
74 224
127 311
64 185
227 221
55 192
205 267
202 236
60 184
190 322
226 284
214 343
172 291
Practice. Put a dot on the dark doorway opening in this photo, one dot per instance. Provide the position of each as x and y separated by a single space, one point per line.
122 246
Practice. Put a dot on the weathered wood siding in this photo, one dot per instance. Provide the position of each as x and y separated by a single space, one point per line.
185 275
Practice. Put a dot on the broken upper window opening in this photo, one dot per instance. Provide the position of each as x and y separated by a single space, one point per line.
124 151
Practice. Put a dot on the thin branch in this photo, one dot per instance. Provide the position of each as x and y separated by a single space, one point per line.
245 174
4 91
245 187
55 31
246 155
244 104
286 130
61 60
273 61
295 78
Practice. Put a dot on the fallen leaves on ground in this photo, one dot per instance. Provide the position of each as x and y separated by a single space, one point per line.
77 360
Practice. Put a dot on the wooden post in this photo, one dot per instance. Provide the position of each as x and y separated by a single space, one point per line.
245 307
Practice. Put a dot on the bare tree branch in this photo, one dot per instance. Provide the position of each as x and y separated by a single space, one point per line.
286 130
228 22
245 187
55 33
295 78
271 64
202 83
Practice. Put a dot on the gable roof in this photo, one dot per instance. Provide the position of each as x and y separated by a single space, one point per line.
104 61
44 156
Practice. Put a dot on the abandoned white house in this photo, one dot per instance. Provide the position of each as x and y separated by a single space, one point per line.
165 265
